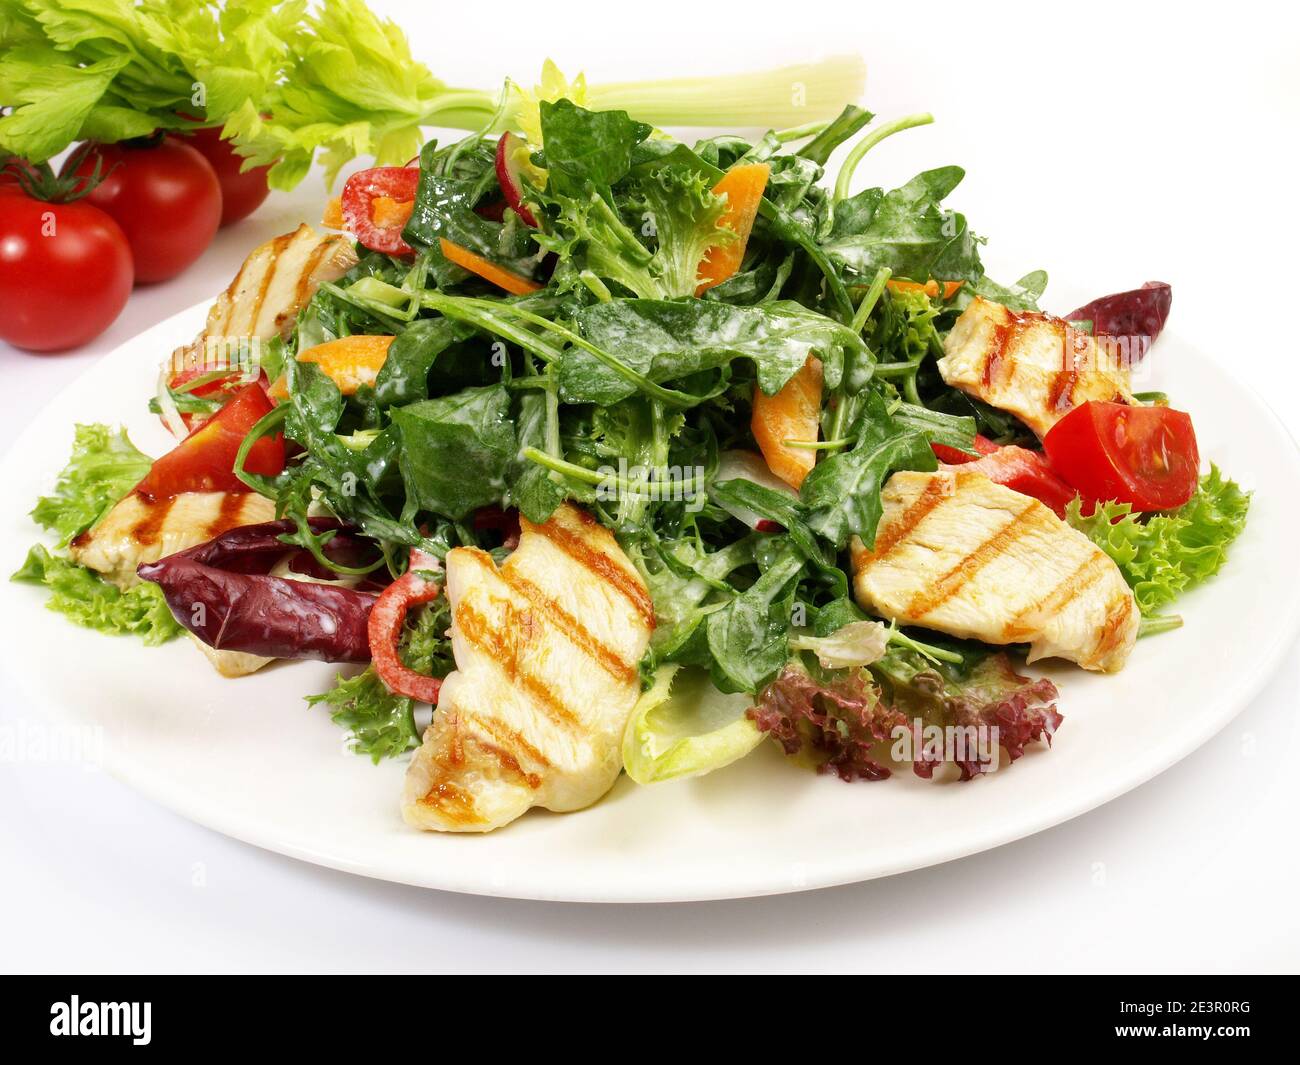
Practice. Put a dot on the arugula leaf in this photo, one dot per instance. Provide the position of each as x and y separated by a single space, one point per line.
906 231
104 466
85 598
842 492
582 146
455 450
666 340
1166 554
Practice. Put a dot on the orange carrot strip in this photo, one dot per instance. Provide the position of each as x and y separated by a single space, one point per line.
489 271
792 414
743 186
349 362
930 288
333 216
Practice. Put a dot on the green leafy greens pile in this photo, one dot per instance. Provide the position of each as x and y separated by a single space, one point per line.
615 384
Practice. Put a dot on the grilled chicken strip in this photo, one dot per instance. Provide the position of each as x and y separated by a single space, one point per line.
1030 364
959 554
547 649
139 529
264 299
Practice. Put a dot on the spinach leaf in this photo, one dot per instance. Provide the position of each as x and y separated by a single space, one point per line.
404 377
749 637
455 450
1022 296
582 146
666 340
907 231
530 486
842 492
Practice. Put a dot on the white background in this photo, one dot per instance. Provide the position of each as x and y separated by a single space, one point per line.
1113 142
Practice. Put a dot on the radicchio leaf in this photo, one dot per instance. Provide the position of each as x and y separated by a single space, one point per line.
222 593
1139 312
840 721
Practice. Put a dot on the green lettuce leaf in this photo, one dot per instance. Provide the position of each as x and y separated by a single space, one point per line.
105 465
83 597
683 726
1166 554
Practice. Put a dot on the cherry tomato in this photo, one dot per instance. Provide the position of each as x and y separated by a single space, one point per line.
241 193
376 205
204 461
65 272
166 198
1145 456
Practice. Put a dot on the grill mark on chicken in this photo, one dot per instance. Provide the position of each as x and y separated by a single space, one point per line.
232 505
1117 616
1084 577
301 291
890 537
504 734
148 530
453 802
597 562
956 578
503 646
508 763
278 247
577 633
1004 335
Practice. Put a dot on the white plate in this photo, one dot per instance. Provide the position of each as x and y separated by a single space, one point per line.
249 759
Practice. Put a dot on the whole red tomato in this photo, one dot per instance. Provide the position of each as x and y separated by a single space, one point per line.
164 195
241 193
65 272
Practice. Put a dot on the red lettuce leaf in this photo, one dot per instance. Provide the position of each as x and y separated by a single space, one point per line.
838 722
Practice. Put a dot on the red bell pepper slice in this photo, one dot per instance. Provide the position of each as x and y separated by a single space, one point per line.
204 461
385 627
377 204
1017 468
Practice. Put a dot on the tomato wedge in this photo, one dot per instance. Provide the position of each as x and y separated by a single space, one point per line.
204 461
412 588
1144 456
377 204
1018 468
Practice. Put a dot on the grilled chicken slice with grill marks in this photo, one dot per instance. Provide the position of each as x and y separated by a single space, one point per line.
959 554
141 529
547 650
1030 364
264 299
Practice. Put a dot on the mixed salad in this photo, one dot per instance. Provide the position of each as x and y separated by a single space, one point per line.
625 453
